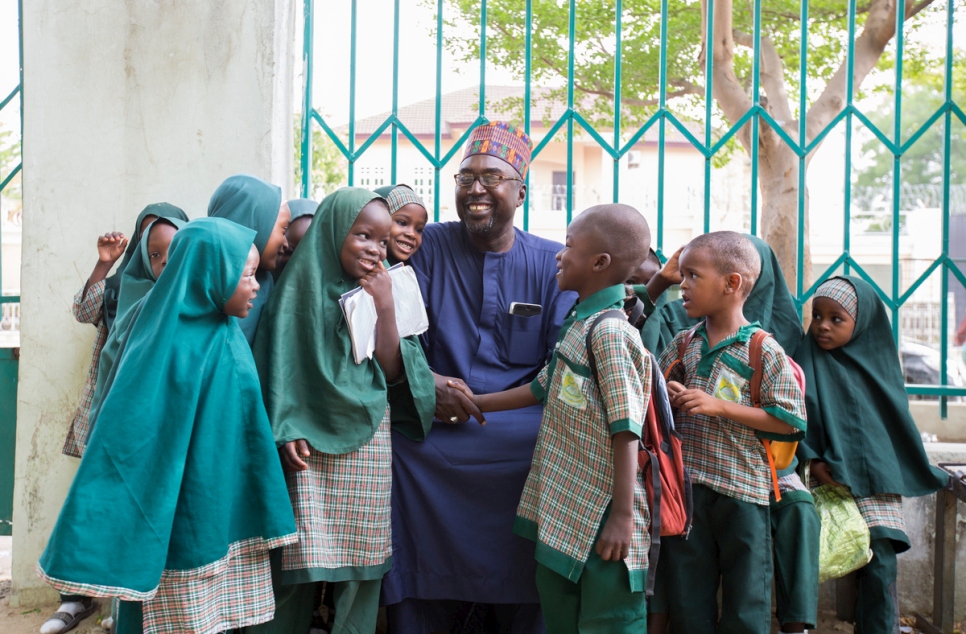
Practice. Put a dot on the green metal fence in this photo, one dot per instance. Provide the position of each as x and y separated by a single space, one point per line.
624 137
5 179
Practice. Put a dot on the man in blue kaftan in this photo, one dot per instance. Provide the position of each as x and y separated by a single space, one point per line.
457 566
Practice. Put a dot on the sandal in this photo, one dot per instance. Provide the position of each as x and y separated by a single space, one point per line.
69 620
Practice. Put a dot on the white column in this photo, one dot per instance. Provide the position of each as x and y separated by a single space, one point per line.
125 104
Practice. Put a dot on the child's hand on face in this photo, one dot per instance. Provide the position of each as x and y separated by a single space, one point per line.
110 247
670 271
822 473
378 284
696 401
292 454
615 539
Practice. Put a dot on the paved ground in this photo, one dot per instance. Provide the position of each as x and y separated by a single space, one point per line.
15 621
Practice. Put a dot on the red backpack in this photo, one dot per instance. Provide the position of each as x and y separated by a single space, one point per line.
780 453
660 458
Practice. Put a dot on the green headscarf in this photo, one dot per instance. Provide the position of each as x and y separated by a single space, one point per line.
253 203
112 284
770 302
302 207
182 453
137 280
858 412
312 387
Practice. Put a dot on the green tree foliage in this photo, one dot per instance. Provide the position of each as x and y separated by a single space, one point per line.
922 95
9 159
595 49
328 167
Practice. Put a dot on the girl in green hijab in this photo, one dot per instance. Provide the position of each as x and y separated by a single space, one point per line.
97 303
138 278
253 203
330 415
409 218
302 211
183 451
860 432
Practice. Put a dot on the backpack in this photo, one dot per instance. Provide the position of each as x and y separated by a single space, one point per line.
780 453
659 458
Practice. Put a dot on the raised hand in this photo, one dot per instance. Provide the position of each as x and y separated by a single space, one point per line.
110 247
378 284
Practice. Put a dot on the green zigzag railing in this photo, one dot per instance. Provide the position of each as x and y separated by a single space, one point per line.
756 116
5 180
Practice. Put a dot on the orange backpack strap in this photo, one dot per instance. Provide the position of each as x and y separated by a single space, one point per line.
682 348
757 364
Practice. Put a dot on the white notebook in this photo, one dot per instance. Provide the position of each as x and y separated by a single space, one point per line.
360 312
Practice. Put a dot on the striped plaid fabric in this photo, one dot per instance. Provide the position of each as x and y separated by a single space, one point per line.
235 591
571 478
791 482
87 310
882 509
721 454
402 195
841 292
341 505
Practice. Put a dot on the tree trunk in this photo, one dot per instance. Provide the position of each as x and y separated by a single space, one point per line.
778 179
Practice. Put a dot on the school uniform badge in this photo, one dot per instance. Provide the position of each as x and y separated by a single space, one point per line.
728 386
572 389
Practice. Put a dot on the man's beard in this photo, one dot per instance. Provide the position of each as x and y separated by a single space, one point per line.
481 227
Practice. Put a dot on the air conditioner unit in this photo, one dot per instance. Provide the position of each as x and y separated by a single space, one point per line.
633 159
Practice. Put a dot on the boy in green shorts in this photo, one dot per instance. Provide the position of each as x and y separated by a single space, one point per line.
584 503
730 540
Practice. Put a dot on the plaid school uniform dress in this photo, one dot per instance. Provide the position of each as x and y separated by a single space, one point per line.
571 479
723 455
87 310
342 511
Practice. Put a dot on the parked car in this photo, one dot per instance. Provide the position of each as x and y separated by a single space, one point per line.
920 366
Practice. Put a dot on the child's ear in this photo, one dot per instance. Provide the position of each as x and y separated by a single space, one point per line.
733 282
601 262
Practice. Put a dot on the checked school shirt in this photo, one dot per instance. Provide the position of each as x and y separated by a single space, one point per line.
87 310
726 456
571 478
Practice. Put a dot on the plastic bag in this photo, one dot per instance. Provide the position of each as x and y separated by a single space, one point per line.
844 543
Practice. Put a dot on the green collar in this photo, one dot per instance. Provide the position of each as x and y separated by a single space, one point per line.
743 334
604 298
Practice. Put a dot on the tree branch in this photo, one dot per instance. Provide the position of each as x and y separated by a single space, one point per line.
772 73
731 97
880 27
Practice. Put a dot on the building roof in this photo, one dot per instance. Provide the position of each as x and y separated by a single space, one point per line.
460 108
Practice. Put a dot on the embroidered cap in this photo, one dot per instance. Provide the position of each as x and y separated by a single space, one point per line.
841 292
504 141
402 195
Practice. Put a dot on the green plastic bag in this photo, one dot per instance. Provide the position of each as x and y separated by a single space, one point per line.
844 543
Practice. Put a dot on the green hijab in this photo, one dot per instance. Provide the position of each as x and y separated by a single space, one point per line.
182 451
770 302
137 280
665 321
112 285
253 203
858 412
312 387
302 207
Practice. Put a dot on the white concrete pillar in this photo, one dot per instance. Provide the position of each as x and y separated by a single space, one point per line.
125 104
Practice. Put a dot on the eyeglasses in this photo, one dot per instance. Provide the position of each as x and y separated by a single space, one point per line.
489 180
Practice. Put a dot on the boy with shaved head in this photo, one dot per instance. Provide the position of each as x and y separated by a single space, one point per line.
730 540
584 503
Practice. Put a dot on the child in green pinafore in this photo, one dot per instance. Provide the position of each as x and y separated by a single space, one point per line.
330 415
861 434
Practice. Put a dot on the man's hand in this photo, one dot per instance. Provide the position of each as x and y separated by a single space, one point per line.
292 454
615 539
697 402
110 247
819 469
452 403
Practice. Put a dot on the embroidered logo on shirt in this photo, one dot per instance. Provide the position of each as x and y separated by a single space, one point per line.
572 390
728 386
